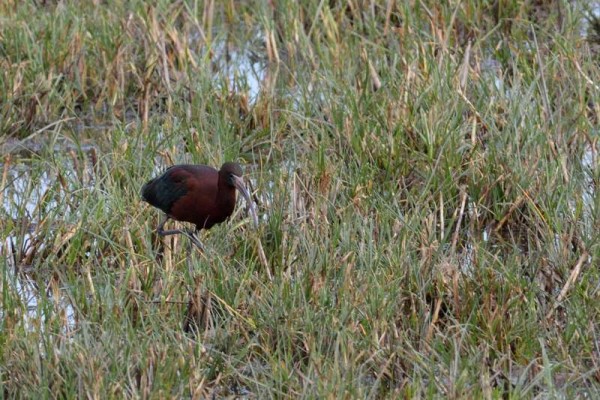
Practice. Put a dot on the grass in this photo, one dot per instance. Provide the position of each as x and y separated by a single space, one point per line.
427 184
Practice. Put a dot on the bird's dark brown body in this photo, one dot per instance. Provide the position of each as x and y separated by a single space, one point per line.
192 193
197 193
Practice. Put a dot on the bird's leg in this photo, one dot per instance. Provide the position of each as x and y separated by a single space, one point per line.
162 232
194 238
189 233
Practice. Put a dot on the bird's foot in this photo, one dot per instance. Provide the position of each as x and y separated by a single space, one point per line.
189 233
194 238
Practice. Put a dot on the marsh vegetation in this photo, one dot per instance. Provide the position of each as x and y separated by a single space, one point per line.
425 172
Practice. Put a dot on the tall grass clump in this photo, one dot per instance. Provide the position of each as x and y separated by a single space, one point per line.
426 176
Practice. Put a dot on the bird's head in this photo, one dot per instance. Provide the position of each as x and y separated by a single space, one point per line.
233 175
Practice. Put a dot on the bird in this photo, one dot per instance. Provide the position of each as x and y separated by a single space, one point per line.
198 194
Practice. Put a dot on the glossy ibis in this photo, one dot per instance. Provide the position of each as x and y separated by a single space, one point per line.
198 194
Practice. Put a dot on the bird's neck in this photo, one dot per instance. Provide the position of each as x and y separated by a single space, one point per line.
226 193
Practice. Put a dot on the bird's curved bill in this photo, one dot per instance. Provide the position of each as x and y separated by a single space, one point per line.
239 184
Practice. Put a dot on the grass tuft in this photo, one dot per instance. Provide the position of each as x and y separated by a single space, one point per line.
426 176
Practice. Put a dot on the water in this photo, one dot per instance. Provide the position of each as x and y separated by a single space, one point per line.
28 195
31 313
